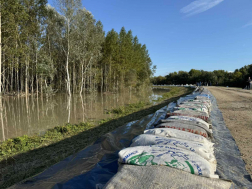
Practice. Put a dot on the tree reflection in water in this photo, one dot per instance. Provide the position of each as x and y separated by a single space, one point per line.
29 115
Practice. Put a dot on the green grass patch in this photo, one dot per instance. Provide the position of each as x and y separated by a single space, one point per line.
173 91
130 108
25 143
124 110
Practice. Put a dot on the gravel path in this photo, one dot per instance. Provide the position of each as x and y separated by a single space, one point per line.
236 107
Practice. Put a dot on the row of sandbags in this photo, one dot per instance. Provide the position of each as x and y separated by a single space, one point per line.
181 141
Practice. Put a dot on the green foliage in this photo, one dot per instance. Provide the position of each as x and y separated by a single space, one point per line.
47 48
126 62
237 78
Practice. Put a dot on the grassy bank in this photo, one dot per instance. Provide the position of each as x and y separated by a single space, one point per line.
26 156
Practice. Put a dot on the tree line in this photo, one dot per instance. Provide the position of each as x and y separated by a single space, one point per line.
64 49
237 78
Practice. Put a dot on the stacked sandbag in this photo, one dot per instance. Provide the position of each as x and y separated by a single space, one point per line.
204 150
180 141
168 156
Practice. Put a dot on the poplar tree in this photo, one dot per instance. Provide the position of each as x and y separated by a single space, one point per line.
68 9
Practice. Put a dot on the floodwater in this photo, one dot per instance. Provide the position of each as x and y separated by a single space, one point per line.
30 115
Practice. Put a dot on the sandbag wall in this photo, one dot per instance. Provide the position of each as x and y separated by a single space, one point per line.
181 141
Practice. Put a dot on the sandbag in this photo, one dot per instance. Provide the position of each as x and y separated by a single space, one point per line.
184 127
203 150
168 156
198 124
189 120
161 177
187 123
202 101
192 108
167 132
184 103
203 96
189 114
199 101
192 112
176 121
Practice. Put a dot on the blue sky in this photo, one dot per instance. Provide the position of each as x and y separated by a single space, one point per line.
184 34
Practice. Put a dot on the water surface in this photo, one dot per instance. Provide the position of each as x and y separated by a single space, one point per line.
30 115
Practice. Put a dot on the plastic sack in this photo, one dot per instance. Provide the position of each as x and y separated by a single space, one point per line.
196 147
201 98
197 109
194 106
189 114
185 103
197 124
167 132
202 101
189 120
205 96
160 177
184 127
164 155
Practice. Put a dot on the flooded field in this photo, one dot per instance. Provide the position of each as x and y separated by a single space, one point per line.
27 116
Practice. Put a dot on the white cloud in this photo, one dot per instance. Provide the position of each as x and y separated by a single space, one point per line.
248 24
199 6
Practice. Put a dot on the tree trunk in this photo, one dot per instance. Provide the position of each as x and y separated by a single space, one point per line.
36 76
67 61
82 79
101 79
12 76
41 85
74 78
0 50
26 77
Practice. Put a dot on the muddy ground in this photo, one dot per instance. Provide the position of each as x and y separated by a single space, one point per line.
236 107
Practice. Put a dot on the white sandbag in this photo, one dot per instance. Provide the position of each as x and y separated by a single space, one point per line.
201 98
189 114
196 103
192 108
164 155
167 132
197 124
203 101
184 127
205 96
203 150
189 119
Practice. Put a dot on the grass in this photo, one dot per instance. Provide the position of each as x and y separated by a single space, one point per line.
25 156
25 143
124 110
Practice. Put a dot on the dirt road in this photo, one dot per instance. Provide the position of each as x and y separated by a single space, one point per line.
236 107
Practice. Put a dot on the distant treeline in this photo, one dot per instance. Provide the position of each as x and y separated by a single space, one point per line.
237 78
45 49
